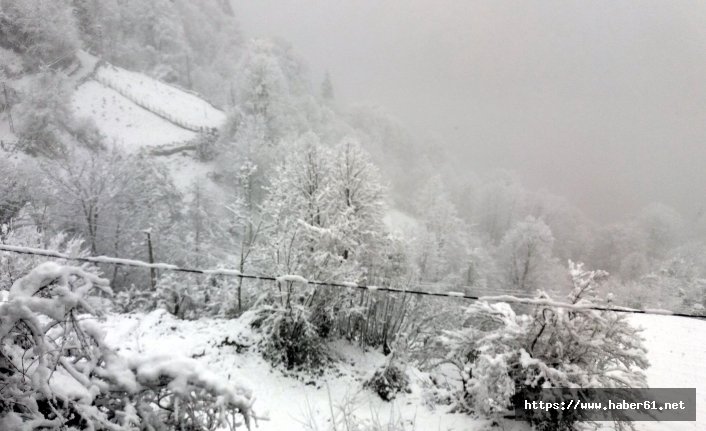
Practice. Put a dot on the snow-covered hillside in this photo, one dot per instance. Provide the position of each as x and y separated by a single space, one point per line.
290 403
302 403
122 122
137 113
134 111
182 107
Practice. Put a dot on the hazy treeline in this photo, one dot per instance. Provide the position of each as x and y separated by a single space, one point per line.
361 197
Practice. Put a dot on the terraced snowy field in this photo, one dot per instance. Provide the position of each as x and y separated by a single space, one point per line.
122 122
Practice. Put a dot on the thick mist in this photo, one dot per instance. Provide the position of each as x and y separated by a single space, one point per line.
600 102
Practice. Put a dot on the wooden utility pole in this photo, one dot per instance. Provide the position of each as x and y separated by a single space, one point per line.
153 271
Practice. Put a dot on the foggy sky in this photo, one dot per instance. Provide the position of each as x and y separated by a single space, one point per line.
602 102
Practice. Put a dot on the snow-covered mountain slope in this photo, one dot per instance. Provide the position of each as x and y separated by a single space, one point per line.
122 122
134 111
297 402
137 113
177 105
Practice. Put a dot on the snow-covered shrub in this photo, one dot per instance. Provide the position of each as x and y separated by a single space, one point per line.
43 32
41 118
22 232
552 347
232 306
177 295
57 372
417 337
388 381
289 337
205 145
133 299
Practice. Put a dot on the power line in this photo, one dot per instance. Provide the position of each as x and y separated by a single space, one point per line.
299 279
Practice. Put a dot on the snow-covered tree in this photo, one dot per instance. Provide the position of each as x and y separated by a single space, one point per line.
44 32
613 243
552 347
323 221
324 211
633 266
500 203
263 88
21 231
245 223
198 239
677 283
572 231
89 184
442 244
298 236
525 256
358 203
109 199
44 121
392 147
21 185
662 228
243 146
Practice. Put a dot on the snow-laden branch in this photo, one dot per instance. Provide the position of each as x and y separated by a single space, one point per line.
60 371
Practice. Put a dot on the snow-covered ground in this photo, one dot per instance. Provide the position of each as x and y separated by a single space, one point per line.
291 403
87 64
677 355
179 104
135 112
122 122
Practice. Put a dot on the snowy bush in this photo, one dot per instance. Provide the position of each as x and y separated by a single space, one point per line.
23 232
57 372
552 347
289 337
43 32
133 299
43 116
177 295
388 381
